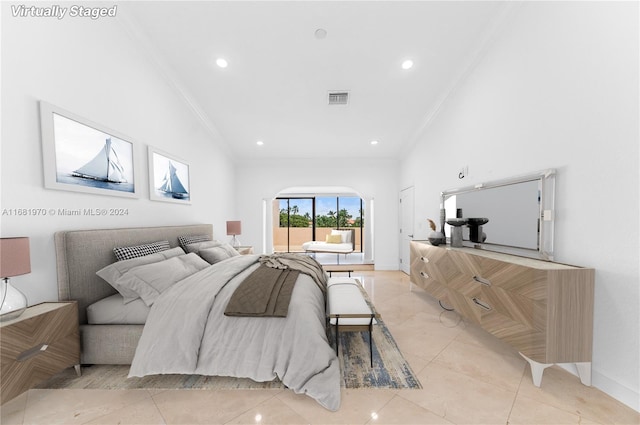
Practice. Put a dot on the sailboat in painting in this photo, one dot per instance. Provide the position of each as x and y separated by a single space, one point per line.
105 166
172 185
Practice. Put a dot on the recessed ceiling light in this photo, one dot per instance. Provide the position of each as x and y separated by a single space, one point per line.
222 63
408 64
374 142
259 143
320 33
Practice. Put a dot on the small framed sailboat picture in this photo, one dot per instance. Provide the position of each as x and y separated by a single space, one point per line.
82 156
168 178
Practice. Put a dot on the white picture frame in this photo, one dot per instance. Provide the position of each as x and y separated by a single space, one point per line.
80 155
169 178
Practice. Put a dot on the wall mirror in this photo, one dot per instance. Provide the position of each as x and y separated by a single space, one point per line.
519 210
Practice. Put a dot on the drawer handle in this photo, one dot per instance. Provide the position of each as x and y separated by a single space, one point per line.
424 259
481 304
482 280
423 274
26 355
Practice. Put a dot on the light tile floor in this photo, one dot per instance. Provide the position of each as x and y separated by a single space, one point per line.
468 377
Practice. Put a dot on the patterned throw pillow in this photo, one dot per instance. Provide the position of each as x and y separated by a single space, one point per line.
186 240
129 252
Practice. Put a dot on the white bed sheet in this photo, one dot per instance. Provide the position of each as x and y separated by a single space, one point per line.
113 311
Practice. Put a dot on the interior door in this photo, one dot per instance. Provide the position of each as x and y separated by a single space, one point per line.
406 227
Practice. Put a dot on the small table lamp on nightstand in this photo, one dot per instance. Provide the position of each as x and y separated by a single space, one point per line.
234 228
14 261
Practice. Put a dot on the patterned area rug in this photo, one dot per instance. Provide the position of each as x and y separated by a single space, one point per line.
390 370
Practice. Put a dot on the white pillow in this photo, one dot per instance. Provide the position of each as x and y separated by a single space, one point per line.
113 272
151 280
345 235
197 246
218 253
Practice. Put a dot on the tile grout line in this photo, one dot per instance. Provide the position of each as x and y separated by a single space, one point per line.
515 395
153 399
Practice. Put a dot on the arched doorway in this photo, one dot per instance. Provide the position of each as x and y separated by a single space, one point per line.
297 215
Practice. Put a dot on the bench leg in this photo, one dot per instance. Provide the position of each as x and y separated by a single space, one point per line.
371 340
337 340
371 346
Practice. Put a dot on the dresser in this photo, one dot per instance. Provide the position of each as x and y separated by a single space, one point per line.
43 341
542 309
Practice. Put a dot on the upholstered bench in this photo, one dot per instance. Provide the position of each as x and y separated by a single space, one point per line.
339 271
348 310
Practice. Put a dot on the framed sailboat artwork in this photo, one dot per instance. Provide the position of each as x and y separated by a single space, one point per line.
169 179
83 156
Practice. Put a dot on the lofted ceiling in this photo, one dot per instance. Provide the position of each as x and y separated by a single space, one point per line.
279 74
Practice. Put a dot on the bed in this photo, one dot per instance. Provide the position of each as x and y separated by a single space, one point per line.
338 242
292 348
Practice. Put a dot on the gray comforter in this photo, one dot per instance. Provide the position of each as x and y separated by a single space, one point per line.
187 333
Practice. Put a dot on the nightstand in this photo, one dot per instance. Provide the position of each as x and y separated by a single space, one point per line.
43 341
244 250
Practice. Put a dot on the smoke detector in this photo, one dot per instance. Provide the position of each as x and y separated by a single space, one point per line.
340 97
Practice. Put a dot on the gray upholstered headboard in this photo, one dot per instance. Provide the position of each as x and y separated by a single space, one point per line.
81 253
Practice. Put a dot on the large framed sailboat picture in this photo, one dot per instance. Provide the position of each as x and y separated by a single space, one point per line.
168 178
82 156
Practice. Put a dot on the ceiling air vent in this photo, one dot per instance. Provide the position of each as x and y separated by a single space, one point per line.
338 98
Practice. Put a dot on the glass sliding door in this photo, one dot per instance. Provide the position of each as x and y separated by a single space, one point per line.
350 216
295 224
326 217
339 212
298 220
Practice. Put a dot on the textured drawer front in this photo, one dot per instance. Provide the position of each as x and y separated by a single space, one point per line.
37 348
44 328
528 341
518 308
518 279
424 270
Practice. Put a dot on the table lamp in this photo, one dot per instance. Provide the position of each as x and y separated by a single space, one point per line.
14 261
234 228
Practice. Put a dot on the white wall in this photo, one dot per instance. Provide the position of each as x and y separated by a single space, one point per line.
91 68
372 179
558 88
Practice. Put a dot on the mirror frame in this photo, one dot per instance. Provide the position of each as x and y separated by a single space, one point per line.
546 179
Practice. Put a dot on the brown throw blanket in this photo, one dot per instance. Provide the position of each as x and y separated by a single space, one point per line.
266 292
302 263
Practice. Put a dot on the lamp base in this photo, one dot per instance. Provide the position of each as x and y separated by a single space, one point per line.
13 302
235 242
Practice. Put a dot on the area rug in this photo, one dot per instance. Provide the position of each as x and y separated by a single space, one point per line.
390 370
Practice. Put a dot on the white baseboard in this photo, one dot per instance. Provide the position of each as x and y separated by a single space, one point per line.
386 267
612 388
624 394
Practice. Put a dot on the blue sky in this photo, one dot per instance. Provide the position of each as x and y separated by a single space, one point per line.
324 205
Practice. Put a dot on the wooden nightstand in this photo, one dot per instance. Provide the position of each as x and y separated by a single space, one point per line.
43 341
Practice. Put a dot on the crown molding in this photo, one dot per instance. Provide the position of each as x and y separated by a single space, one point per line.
143 44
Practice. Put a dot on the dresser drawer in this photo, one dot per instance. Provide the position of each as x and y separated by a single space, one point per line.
42 342
425 271
515 278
